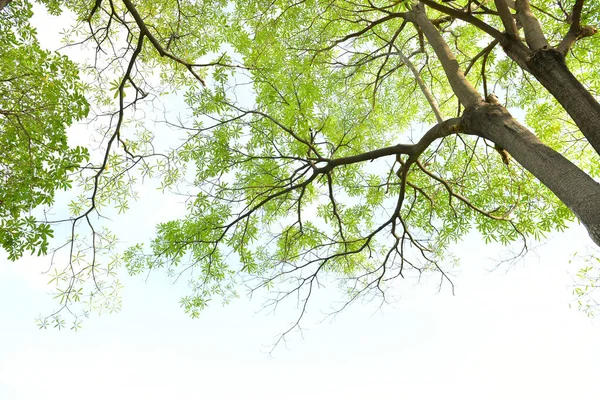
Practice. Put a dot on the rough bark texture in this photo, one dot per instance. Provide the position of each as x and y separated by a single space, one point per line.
571 185
549 68
4 3
546 64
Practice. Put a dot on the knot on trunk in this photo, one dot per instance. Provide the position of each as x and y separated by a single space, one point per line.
587 31
492 99
546 58
490 108
488 119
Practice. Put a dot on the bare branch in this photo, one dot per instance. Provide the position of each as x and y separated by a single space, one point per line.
426 92
576 31
164 53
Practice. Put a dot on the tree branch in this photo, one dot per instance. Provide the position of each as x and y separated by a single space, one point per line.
531 26
463 89
576 31
4 3
496 34
430 99
164 53
507 19
445 128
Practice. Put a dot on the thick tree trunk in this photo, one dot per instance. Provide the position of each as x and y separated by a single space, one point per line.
548 66
576 189
4 3
570 184
550 69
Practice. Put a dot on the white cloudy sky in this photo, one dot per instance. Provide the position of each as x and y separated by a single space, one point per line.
508 333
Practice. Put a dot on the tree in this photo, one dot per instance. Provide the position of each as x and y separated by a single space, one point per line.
291 163
40 96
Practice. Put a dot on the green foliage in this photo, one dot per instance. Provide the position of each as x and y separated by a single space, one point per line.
317 95
293 88
587 282
40 96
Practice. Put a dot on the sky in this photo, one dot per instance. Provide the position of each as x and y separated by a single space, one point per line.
506 333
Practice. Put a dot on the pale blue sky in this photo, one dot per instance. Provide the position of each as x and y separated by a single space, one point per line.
506 334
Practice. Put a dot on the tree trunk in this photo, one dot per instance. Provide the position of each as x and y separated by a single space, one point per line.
4 3
548 66
576 189
571 185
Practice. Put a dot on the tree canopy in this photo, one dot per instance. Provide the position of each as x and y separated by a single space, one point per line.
41 96
352 139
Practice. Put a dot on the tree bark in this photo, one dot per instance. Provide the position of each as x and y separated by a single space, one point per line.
548 66
461 86
550 69
531 27
508 21
4 3
576 189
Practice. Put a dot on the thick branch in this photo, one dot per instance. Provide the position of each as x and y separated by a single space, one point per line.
531 26
446 128
550 69
569 183
576 31
507 19
496 34
4 3
463 89
514 48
